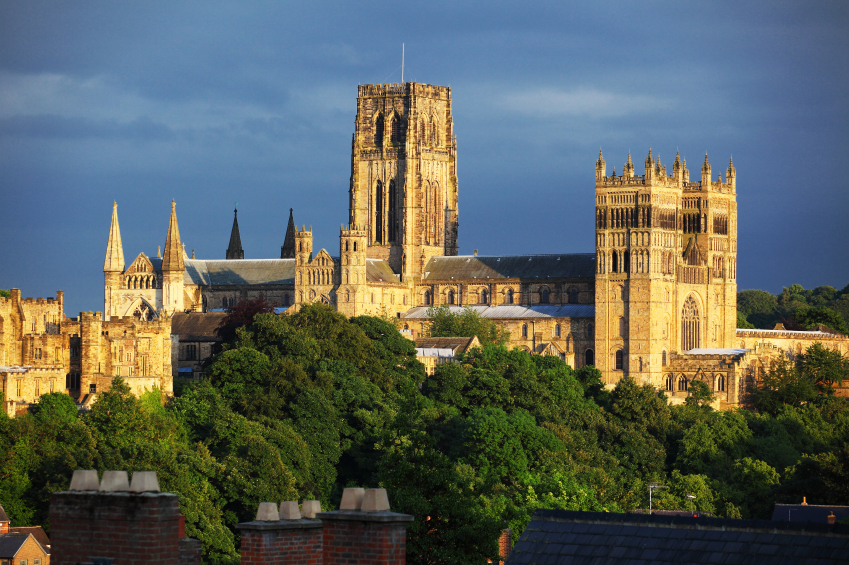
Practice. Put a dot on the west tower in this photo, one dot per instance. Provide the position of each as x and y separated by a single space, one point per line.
403 191
666 267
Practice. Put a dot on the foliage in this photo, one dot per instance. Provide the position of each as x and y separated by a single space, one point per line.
300 406
796 307
242 314
444 323
5 293
742 322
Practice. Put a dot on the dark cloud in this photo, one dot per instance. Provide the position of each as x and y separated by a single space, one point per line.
211 103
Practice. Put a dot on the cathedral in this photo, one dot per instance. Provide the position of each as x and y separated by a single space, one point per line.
656 301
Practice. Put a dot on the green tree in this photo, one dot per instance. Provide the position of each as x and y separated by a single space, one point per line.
811 317
759 308
782 385
699 395
445 323
742 322
5 293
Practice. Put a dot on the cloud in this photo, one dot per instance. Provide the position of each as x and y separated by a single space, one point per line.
583 102
60 127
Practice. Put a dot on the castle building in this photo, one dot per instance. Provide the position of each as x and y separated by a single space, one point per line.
656 302
42 351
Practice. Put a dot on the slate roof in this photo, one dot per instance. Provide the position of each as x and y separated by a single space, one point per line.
378 270
574 265
715 351
454 344
562 537
37 532
197 326
10 544
225 272
513 311
808 513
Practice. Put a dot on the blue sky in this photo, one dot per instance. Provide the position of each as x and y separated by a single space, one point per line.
211 103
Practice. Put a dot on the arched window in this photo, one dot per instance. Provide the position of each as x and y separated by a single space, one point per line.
427 298
484 296
590 331
355 246
573 296
720 383
557 330
663 359
524 330
378 213
396 129
682 383
378 130
346 246
589 358
451 297
626 263
618 360
690 324
615 259
508 297
392 212
286 300
544 295
347 296
670 383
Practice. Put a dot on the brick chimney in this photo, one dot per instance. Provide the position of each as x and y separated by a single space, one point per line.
114 519
364 530
831 518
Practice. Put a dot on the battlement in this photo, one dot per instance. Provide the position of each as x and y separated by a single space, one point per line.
352 230
303 232
404 89
656 176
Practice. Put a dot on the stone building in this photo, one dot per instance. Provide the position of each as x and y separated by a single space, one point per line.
43 351
656 301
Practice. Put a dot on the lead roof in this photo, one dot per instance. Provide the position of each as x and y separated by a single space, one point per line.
513 311
573 265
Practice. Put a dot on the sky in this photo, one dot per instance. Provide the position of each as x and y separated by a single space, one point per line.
217 103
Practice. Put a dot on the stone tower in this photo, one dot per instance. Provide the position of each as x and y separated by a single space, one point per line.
303 257
403 189
234 250
173 266
666 267
353 243
113 266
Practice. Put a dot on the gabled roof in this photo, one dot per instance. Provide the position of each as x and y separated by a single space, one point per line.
10 544
37 532
574 265
197 326
378 270
237 272
564 537
3 516
513 311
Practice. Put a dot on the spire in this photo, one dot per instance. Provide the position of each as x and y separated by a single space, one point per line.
234 250
288 249
173 257
114 249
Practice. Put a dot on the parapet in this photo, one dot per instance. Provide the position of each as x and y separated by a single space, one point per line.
404 89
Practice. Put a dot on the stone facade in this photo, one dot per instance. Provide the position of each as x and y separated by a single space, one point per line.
657 298
42 351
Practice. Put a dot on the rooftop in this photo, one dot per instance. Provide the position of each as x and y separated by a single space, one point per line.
513 311
563 537
573 265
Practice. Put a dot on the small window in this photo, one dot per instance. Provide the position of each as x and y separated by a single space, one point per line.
670 382
682 383
508 298
36 562
524 330
451 297
664 360
720 383
92 389
590 330
286 300
544 295
573 296
619 358
484 297
589 357
557 330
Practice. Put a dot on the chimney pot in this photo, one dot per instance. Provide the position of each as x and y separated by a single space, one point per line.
831 518
352 499
289 510
375 500
84 480
309 508
114 481
804 501
267 512
145 481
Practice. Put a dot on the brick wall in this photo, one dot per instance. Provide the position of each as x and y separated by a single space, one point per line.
355 538
285 542
131 528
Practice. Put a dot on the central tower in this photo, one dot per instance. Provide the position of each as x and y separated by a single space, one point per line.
403 190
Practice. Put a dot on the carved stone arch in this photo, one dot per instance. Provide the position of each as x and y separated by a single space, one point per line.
690 323
378 128
142 310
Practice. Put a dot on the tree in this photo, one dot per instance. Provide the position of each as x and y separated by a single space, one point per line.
699 395
5 293
742 322
824 367
784 384
242 314
809 318
758 307
444 323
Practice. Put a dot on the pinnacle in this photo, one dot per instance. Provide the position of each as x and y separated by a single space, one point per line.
114 249
172 259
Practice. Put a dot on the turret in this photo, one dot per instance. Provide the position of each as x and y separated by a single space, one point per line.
234 250
628 169
353 242
600 169
731 175
287 251
649 167
303 257
173 266
706 173
113 266
677 170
